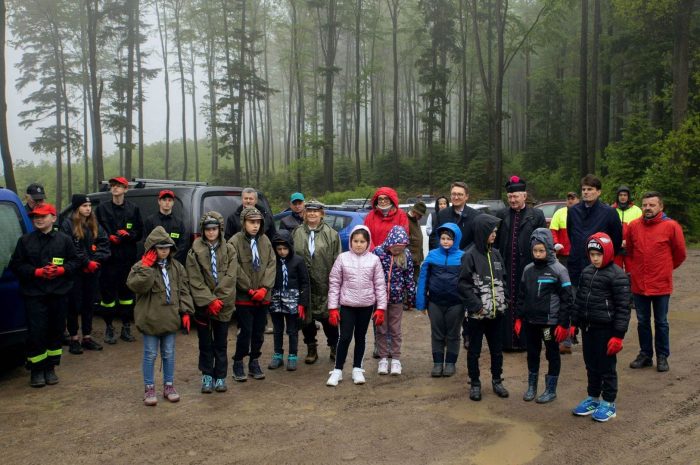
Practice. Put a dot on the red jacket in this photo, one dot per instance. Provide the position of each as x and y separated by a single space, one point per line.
380 225
655 248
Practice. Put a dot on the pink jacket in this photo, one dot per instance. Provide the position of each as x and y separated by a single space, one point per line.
357 280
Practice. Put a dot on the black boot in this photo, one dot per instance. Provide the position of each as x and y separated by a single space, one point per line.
550 392
661 363
498 388
641 361
50 376
37 378
126 333
475 390
109 334
311 355
254 369
531 387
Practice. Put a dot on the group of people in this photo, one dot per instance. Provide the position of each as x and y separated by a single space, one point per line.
505 277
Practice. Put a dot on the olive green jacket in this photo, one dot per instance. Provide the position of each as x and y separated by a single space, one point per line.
248 279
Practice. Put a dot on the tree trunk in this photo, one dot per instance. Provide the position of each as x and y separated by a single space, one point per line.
139 89
606 83
211 70
394 12
680 62
583 91
95 92
194 112
593 108
8 168
358 94
132 6
163 34
177 10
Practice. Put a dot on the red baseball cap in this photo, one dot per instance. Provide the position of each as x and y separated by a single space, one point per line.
166 193
121 180
43 210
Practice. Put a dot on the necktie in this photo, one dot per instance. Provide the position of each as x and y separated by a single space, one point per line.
214 272
256 255
312 245
166 280
285 275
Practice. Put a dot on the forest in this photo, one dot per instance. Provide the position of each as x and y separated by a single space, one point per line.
328 96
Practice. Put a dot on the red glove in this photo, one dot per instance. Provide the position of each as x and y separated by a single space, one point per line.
560 333
114 239
378 317
91 267
40 272
333 316
302 312
215 307
54 272
258 295
572 331
149 258
614 345
123 233
518 326
186 322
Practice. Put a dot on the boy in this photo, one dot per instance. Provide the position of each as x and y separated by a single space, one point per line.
482 289
212 269
290 298
44 260
602 312
121 220
255 279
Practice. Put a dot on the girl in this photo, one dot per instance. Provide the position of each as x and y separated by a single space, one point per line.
431 223
92 246
397 262
357 288
162 294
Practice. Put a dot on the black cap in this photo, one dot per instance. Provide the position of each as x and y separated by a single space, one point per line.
78 199
36 191
515 184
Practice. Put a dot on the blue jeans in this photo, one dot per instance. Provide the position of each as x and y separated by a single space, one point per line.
643 304
167 354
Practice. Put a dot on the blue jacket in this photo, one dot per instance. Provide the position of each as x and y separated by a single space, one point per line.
439 273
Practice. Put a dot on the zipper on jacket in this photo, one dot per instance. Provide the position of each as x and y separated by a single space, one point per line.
493 286
590 289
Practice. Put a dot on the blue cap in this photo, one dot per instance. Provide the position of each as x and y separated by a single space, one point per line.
296 196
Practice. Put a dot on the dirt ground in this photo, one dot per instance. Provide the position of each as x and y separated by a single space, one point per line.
95 414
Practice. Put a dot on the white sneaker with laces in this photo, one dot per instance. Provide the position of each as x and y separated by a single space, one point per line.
395 367
358 376
383 367
335 377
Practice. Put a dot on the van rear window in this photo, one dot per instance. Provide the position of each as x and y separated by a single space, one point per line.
225 203
11 228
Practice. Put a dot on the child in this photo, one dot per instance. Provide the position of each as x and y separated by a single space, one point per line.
44 261
357 287
482 289
92 246
162 295
437 292
254 281
290 298
397 262
602 312
544 302
211 269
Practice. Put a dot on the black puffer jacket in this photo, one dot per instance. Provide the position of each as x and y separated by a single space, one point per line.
88 248
297 278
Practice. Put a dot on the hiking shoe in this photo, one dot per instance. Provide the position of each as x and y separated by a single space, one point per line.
449 370
436 372
37 378
332 355
74 347
109 335
311 355
89 343
499 388
383 367
170 393
661 363
220 385
395 367
291 362
475 390
126 335
586 407
207 384
358 376
50 376
335 377
641 361
254 370
239 371
276 362
605 411
149 397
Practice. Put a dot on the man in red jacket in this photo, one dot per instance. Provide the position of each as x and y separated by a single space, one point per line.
655 247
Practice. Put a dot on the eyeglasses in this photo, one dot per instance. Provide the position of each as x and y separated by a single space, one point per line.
457 194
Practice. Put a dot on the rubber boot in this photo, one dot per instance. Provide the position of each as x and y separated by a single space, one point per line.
531 387
37 379
126 333
312 354
550 392
109 334
50 376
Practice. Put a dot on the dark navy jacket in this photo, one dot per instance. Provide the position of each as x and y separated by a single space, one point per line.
439 273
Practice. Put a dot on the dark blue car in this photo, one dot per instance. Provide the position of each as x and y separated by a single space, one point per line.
341 221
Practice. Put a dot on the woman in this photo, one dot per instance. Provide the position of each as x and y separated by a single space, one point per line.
385 214
431 223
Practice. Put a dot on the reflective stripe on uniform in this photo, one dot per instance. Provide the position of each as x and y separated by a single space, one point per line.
126 302
54 353
107 304
38 358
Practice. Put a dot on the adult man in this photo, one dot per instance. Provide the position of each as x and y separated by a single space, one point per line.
415 236
122 222
36 195
249 198
628 212
458 213
655 247
558 228
171 222
296 205
513 242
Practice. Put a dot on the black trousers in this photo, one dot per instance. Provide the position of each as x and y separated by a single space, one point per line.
279 320
82 301
492 329
213 342
600 367
46 316
353 321
252 320
116 299
534 336
309 331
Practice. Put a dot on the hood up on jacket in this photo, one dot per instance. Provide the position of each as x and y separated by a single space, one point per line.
484 225
209 217
159 236
457 233
544 237
437 201
361 226
606 243
252 213
397 236
389 192
283 237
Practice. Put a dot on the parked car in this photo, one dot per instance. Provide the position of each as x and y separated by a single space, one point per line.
548 208
493 204
340 220
14 222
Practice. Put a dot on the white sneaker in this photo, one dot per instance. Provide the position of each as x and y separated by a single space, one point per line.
395 367
358 376
335 377
383 367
